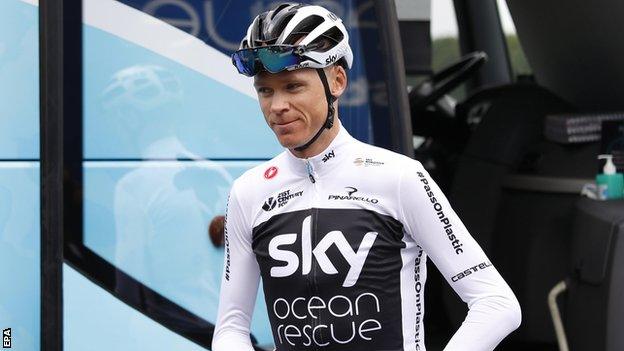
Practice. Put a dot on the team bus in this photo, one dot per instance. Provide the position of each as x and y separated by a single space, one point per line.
123 125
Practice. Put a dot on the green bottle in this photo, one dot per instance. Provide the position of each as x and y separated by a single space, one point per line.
610 183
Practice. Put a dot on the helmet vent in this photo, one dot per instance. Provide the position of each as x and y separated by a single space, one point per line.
304 27
280 8
279 23
328 39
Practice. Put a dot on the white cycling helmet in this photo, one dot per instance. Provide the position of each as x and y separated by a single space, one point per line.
274 40
294 36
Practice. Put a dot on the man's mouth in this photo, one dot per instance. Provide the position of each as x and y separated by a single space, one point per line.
282 124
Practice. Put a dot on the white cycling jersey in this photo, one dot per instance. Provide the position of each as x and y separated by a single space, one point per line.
341 241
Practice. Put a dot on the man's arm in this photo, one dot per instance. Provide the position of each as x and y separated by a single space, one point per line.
494 311
239 283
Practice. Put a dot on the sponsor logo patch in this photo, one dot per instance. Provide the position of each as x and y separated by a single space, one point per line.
469 271
330 59
419 298
226 238
349 197
329 155
270 172
301 65
447 226
366 162
344 309
350 190
355 258
282 199
269 204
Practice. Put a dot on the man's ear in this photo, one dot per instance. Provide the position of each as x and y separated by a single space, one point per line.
338 80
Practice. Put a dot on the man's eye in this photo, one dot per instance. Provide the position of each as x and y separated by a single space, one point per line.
293 86
263 90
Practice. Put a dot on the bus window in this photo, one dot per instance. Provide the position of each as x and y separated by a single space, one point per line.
519 64
20 233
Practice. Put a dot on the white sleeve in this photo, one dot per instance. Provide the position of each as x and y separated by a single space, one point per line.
239 283
494 311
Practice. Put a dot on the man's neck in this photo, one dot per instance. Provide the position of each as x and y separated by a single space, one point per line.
320 144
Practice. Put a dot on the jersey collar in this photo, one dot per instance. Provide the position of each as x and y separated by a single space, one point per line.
325 161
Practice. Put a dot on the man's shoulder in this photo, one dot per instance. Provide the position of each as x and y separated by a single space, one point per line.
377 158
256 176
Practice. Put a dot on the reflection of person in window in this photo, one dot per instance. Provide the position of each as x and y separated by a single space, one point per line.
162 207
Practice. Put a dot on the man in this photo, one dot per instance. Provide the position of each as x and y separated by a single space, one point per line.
339 230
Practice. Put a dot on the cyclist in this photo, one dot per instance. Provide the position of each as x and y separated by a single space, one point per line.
339 230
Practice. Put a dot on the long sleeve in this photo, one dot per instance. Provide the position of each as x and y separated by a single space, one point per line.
239 283
494 311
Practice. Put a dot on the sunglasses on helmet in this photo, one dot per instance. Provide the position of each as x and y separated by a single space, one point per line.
274 58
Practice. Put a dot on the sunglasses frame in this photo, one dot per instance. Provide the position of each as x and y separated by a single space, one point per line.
292 55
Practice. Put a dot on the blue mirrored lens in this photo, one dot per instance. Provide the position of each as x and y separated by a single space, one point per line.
277 58
245 62
272 58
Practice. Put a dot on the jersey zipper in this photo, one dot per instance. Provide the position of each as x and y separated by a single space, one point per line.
313 239
310 172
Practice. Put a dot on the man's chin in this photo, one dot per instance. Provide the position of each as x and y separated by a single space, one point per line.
290 144
290 141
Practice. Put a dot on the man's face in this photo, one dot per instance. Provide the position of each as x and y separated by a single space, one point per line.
293 103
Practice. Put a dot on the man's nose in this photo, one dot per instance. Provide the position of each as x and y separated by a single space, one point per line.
279 104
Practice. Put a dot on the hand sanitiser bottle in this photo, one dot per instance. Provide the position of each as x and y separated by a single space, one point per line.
610 183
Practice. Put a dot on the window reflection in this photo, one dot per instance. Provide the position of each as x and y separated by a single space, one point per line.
162 212
142 102
162 208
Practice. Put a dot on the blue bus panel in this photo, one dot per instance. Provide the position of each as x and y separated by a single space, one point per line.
137 99
20 302
95 320
20 253
19 80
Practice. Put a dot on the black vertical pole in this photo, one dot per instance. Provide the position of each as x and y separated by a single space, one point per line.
398 104
51 154
480 30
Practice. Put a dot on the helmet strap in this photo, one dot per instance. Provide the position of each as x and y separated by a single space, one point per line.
329 121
